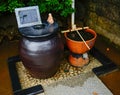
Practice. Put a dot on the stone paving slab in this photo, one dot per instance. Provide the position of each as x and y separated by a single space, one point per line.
83 84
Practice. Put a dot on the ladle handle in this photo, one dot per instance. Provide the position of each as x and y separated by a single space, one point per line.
83 39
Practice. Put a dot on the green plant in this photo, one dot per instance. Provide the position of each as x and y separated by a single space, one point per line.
62 7
10 5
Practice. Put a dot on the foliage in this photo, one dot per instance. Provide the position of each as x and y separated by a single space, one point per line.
10 5
62 7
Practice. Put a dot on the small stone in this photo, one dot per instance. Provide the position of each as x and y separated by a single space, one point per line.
66 70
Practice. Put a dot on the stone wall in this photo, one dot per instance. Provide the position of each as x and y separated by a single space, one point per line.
104 17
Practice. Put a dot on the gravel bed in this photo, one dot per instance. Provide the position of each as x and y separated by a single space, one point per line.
65 71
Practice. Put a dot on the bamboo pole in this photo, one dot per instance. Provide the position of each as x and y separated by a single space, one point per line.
73 14
80 28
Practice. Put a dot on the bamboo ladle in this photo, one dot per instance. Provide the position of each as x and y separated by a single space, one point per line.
76 29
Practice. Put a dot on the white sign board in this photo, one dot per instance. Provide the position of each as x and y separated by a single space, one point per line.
28 16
